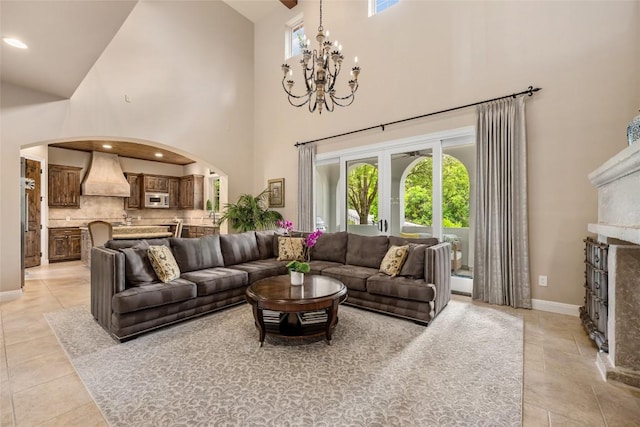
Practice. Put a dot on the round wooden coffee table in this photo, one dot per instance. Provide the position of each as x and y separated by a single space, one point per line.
306 310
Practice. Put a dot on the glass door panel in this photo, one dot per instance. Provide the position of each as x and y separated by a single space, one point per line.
327 190
361 197
412 193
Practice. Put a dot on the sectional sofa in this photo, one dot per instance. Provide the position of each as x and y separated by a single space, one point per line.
128 299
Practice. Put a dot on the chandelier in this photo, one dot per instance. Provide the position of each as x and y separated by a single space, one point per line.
321 69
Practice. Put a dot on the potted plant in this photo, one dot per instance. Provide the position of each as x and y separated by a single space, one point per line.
250 213
297 270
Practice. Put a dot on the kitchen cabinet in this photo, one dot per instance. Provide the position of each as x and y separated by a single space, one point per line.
199 230
156 183
174 192
192 192
65 244
134 201
64 186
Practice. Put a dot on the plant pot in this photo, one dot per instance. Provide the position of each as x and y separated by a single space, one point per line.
297 278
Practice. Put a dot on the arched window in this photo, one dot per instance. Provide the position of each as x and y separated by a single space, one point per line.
418 191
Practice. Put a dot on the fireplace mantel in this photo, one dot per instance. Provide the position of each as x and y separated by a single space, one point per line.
618 183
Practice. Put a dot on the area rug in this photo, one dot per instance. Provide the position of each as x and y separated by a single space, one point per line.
464 369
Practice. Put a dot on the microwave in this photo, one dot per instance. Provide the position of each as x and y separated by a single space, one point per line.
156 200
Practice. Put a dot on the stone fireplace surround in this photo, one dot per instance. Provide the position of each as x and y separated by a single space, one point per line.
618 183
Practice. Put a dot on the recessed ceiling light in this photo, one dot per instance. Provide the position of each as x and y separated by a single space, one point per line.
15 43
158 154
107 146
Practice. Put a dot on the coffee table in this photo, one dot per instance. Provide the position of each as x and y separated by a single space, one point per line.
306 310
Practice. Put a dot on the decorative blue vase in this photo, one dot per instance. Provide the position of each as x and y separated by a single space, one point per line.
633 130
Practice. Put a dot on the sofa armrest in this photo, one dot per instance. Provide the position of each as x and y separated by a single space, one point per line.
438 272
107 279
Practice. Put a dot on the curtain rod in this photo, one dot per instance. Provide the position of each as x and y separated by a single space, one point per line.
529 92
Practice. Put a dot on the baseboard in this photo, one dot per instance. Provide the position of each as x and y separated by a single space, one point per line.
462 285
10 295
555 307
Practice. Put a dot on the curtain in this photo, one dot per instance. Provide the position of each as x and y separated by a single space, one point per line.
501 266
306 162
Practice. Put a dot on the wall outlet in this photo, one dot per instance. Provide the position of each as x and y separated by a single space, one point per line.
542 280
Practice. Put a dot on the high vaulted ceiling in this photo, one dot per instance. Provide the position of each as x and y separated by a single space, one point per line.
66 37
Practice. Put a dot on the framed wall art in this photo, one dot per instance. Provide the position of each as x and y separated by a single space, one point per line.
276 193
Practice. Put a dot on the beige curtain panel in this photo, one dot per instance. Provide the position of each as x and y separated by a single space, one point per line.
501 266
306 162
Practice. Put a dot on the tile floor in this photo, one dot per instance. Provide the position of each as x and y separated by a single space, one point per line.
38 385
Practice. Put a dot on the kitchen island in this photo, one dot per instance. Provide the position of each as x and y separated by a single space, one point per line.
124 232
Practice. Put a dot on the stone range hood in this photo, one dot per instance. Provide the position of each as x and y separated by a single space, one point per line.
105 177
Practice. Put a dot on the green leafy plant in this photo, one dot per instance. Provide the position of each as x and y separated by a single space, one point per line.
299 266
209 205
250 213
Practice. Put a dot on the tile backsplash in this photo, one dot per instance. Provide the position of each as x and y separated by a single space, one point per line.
111 209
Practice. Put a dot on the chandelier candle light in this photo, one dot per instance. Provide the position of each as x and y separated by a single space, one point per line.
321 69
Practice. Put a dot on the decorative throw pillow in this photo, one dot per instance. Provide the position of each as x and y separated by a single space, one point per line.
393 260
163 263
137 266
290 248
414 264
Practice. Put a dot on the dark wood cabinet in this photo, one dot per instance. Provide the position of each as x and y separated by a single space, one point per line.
65 244
192 192
156 183
134 201
174 192
64 186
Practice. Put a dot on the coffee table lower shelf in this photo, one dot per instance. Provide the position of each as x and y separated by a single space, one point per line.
290 326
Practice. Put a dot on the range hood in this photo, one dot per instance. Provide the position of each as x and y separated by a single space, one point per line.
105 177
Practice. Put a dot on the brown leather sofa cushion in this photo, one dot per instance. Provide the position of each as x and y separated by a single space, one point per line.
153 295
353 276
401 287
366 251
331 247
197 253
239 248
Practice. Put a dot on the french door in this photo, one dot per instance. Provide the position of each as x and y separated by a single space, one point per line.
365 191
372 197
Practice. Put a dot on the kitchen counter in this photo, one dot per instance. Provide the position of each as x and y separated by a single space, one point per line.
138 231
141 231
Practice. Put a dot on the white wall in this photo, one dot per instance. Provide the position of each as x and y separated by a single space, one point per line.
187 68
423 56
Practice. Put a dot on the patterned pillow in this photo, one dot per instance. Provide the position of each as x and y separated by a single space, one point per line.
393 260
163 263
290 248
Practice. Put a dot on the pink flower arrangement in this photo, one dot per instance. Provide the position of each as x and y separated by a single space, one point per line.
285 224
309 242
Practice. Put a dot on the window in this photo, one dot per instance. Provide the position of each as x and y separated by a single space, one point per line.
295 38
377 6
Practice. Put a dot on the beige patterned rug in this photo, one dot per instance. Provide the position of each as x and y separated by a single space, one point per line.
465 369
